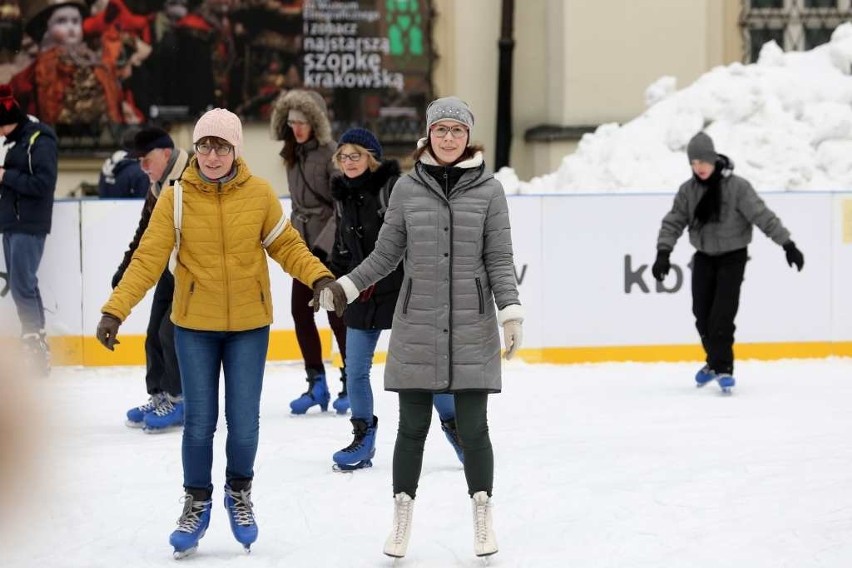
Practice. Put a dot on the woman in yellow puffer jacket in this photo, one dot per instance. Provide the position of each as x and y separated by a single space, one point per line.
222 310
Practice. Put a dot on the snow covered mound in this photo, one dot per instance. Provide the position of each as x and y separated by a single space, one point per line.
786 121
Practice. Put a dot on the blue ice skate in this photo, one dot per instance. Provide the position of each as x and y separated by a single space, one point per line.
166 417
136 415
452 434
704 376
240 512
726 383
341 403
317 394
360 452
192 523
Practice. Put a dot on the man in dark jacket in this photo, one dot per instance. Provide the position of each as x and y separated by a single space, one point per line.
163 164
28 168
121 175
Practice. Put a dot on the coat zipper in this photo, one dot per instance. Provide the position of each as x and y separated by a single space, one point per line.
224 255
480 295
188 298
407 296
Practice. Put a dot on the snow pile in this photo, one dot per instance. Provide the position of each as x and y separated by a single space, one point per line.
786 121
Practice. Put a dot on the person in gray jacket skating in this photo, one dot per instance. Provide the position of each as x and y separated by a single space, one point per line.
448 221
720 209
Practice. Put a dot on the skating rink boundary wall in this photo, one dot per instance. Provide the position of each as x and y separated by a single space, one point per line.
583 263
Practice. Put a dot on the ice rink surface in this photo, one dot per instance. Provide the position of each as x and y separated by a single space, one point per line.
606 465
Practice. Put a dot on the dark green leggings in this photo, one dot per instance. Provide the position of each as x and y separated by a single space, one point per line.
415 417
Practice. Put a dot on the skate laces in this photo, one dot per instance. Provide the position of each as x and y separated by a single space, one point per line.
481 519
241 507
165 407
356 443
191 516
402 516
152 404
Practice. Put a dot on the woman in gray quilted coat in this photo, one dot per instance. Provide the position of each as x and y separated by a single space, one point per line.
448 221
720 209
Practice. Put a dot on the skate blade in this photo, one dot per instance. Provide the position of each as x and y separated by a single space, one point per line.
134 425
184 553
349 468
162 430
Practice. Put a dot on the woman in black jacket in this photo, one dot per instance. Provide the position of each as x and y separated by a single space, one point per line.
361 197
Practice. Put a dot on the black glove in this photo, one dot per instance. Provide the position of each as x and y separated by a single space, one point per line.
116 278
794 255
108 330
661 265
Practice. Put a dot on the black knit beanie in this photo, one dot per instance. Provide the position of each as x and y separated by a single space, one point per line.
10 110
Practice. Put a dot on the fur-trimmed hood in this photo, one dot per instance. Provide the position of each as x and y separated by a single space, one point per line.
386 170
311 104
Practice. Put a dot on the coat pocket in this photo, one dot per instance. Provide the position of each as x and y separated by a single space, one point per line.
480 295
188 297
262 298
407 298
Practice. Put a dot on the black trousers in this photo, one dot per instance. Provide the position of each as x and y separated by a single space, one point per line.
716 284
415 417
162 373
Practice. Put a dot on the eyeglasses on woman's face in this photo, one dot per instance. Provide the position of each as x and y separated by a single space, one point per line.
353 157
297 123
204 148
456 131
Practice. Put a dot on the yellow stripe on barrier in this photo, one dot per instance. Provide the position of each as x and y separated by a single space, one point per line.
75 350
675 353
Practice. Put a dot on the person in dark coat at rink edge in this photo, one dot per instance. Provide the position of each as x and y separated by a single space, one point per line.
162 165
448 222
28 169
121 175
720 210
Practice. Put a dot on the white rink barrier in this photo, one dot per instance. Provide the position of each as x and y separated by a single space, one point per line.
583 263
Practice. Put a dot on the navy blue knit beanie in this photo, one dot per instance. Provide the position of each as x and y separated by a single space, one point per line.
363 138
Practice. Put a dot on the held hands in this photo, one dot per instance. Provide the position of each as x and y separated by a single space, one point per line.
329 295
662 265
794 255
513 334
107 331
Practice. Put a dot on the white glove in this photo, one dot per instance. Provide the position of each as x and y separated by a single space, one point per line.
513 335
326 298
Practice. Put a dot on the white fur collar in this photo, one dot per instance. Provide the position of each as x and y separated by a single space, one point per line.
428 159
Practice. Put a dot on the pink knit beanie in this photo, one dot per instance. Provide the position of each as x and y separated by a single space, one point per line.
223 124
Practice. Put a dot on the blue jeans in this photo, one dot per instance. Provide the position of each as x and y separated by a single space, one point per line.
360 348
23 253
242 356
